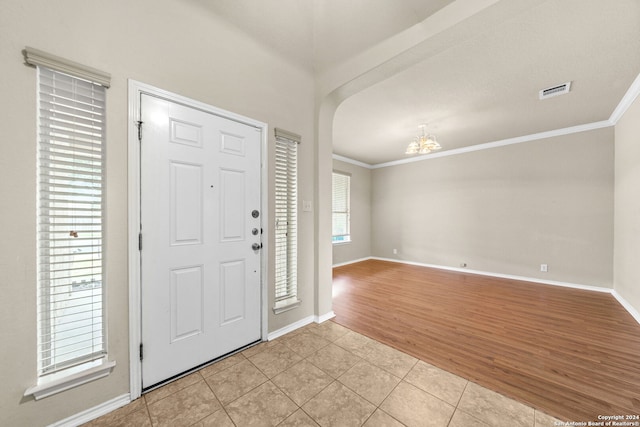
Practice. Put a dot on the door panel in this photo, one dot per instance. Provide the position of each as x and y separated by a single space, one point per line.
232 297
187 296
186 133
233 226
232 144
185 208
201 292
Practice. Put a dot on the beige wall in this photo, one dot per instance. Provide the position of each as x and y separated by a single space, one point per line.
360 245
175 45
504 210
627 206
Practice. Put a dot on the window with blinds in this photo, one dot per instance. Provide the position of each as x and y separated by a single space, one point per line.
341 189
286 218
71 144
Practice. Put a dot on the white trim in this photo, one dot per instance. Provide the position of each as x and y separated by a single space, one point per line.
351 262
59 383
135 312
37 57
285 134
299 324
603 289
632 93
93 413
626 101
501 143
352 161
503 276
133 188
286 305
266 229
324 317
290 328
631 309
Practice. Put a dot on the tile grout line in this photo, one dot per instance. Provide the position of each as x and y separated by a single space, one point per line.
305 358
394 388
455 408
461 395
219 401
385 399
334 380
146 407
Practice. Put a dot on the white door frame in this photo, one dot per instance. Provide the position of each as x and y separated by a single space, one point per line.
135 309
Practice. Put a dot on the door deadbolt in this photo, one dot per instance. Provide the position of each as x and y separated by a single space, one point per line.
254 231
255 213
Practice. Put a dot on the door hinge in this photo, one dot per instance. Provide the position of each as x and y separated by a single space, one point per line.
141 352
139 125
139 241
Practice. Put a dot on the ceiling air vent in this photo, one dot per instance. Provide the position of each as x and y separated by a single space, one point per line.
555 90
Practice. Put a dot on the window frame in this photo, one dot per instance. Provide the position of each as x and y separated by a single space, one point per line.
71 154
71 197
341 239
286 221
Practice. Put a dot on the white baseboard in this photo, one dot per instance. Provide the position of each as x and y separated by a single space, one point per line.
631 309
502 276
299 324
290 328
627 306
324 317
622 301
93 413
351 262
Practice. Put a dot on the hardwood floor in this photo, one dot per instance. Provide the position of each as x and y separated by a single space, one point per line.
571 353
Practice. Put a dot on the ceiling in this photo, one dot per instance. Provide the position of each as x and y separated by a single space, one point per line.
318 34
468 90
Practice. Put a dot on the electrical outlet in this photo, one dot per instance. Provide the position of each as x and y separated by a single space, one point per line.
395 252
544 268
307 206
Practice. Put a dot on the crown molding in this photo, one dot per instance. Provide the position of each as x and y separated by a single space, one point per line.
624 104
626 101
352 161
501 143
488 145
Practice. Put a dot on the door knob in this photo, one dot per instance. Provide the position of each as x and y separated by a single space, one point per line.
256 246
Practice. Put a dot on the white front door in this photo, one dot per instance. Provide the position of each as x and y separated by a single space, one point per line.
200 202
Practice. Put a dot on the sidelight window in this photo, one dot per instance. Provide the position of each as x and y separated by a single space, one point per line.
286 217
341 221
70 215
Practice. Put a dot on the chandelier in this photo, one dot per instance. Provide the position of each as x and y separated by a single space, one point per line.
423 143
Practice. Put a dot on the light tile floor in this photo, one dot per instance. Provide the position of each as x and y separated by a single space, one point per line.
323 375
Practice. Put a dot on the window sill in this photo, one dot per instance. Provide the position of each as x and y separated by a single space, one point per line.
346 242
70 378
286 305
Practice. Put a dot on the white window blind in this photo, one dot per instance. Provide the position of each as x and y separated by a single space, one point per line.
71 143
341 189
286 217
